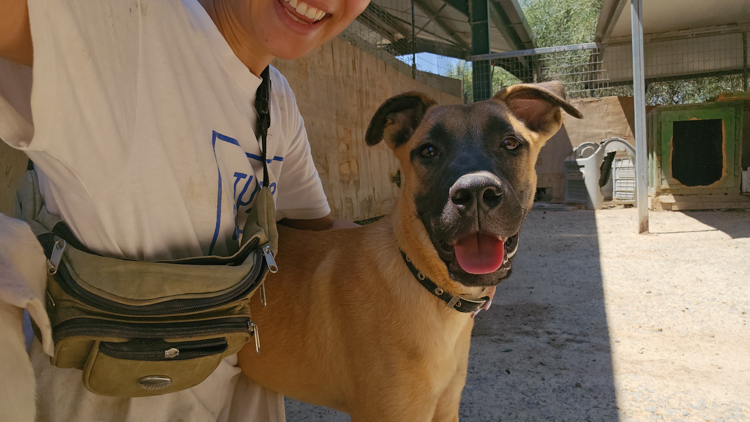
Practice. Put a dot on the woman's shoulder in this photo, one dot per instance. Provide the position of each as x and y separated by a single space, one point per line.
282 92
278 81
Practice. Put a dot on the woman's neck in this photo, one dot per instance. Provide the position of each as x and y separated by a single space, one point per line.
227 17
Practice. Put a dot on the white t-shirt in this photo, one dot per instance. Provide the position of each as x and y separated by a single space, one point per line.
143 132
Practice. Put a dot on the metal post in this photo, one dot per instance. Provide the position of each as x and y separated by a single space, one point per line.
413 44
639 91
744 61
479 18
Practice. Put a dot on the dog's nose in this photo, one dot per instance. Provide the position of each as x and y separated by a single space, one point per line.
482 189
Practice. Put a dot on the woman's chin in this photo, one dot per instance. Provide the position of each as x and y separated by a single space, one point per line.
287 52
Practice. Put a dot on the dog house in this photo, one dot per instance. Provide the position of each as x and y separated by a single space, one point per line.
694 156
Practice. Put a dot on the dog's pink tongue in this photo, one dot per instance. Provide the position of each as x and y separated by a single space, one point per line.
480 253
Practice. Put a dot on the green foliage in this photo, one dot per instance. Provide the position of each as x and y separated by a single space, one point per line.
553 22
462 70
687 91
565 22
691 91
561 22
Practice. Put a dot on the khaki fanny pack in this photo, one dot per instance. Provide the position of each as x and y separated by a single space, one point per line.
147 328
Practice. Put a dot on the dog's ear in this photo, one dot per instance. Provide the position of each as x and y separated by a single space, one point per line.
397 119
538 105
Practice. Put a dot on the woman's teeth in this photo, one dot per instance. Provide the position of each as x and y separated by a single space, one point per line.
305 10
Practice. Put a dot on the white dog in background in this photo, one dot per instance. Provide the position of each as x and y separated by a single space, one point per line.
23 278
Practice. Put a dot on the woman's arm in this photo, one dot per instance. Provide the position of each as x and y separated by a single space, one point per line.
15 32
323 223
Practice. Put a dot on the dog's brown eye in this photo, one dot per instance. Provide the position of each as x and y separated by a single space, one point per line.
511 142
428 151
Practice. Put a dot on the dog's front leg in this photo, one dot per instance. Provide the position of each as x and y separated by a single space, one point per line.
449 402
396 409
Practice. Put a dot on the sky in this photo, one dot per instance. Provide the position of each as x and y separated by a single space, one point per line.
428 62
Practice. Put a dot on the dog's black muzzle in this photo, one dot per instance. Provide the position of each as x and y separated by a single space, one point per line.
477 202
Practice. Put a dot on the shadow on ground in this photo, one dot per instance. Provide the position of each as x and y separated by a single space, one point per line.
542 351
729 222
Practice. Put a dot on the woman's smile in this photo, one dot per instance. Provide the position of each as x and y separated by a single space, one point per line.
300 16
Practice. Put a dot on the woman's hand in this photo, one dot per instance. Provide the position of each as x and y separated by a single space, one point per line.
323 223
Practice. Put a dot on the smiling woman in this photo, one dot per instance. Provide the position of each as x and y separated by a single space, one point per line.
145 143
258 31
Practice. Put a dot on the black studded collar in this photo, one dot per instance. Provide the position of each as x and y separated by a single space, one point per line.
455 302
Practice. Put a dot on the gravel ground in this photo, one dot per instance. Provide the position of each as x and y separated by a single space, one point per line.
598 323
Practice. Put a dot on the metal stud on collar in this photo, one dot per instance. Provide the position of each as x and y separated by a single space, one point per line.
439 291
420 276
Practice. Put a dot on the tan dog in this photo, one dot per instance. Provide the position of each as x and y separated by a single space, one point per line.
348 325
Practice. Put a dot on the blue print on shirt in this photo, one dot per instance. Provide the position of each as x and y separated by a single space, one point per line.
240 203
243 193
268 160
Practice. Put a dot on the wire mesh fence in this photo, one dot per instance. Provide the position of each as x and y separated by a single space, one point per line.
581 71
406 30
677 71
680 69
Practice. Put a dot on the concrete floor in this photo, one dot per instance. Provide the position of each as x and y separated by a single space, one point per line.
598 323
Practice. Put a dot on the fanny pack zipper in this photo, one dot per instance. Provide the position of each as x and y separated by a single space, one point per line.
91 327
163 351
175 306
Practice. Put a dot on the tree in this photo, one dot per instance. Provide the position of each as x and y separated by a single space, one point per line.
564 22
553 22
561 22
462 70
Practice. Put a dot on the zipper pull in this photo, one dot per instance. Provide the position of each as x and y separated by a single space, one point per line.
256 336
54 260
171 353
272 267
263 300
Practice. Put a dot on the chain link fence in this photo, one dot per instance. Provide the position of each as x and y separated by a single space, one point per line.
681 69
677 71
404 31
